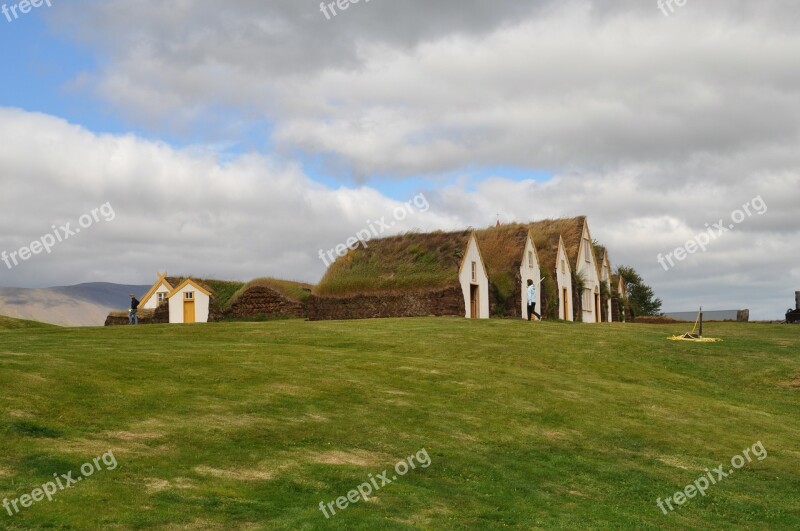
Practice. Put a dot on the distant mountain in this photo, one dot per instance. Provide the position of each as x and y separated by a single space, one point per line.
115 296
80 305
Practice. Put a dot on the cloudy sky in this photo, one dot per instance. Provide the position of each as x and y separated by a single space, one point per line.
237 139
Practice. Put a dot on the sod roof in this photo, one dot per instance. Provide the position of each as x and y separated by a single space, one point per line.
410 261
545 235
221 290
570 229
502 248
599 251
296 291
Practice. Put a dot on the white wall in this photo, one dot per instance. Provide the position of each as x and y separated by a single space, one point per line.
533 273
152 302
465 277
201 304
564 280
588 269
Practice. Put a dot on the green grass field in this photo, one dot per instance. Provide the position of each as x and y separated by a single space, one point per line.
527 425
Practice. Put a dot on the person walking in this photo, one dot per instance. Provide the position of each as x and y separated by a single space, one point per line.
133 314
532 301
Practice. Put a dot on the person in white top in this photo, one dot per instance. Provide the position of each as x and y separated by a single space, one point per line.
532 301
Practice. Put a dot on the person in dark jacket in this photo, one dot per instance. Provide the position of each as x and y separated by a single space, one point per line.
133 315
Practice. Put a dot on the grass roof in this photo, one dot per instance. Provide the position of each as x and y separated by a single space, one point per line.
142 313
502 248
599 251
409 261
545 236
570 229
297 291
221 290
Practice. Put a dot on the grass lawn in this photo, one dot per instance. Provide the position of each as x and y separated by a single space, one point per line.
527 425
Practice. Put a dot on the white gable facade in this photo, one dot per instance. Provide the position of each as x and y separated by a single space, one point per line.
564 283
586 266
157 294
189 303
529 269
474 282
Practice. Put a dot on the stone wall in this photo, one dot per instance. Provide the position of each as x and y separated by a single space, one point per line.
158 316
509 307
261 301
443 302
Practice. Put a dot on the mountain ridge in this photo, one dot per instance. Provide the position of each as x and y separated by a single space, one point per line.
85 304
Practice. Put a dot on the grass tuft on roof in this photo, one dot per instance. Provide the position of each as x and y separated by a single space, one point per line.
222 291
297 291
545 236
410 261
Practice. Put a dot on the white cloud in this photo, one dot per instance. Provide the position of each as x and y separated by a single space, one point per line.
175 209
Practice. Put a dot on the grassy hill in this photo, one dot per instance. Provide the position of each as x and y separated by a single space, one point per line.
9 323
527 425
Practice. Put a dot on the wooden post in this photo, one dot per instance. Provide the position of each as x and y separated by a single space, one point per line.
701 321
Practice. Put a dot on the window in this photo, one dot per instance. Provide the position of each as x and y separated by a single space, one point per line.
587 245
188 295
587 300
161 297
474 271
563 267
530 258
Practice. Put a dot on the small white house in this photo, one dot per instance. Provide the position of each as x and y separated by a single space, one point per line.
529 269
157 294
586 266
511 260
474 282
189 303
564 282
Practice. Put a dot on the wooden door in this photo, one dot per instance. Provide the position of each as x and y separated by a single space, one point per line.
597 307
188 311
473 302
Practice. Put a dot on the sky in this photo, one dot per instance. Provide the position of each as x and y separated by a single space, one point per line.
237 140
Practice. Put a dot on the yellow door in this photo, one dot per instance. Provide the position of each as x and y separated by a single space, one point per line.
188 311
